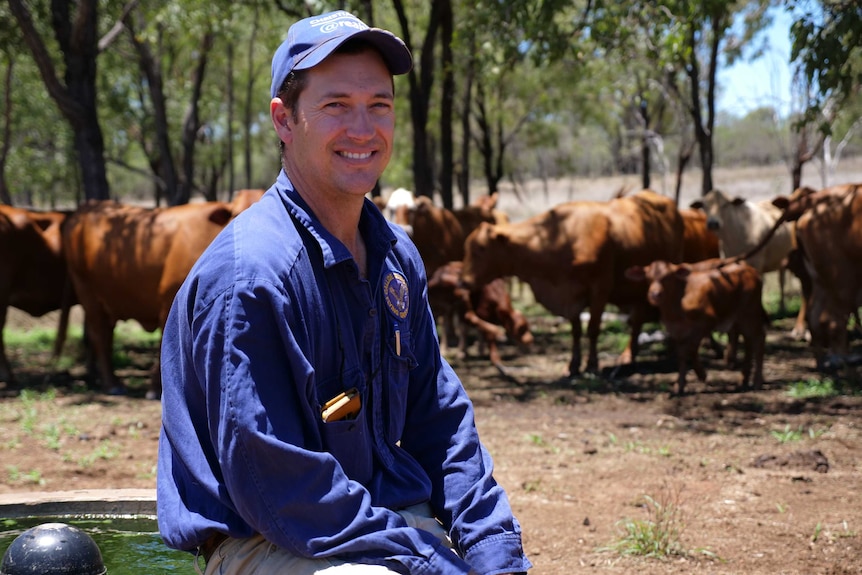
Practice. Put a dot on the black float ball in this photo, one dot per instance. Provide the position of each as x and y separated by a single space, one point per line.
53 549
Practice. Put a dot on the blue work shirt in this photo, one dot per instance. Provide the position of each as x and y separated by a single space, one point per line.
272 322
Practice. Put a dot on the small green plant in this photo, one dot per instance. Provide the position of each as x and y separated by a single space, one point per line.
539 441
817 530
15 475
104 451
813 387
52 436
788 435
658 535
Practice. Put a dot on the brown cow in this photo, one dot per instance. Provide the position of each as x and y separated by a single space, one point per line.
695 300
829 234
438 232
127 262
435 231
32 271
575 255
243 199
485 309
699 242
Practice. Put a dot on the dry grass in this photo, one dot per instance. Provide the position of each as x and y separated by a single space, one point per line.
754 182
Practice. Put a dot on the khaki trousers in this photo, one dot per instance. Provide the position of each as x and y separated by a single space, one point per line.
257 556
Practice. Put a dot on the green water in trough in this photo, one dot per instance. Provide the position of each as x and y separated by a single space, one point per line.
129 545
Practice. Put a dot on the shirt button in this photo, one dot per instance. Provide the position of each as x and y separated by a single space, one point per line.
372 312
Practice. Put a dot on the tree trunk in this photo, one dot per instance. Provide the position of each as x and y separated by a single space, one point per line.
76 99
464 162
446 104
645 151
5 196
192 124
421 83
152 71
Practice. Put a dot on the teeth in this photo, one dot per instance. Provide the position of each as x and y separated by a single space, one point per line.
353 156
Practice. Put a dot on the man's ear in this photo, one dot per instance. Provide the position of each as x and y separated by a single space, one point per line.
280 119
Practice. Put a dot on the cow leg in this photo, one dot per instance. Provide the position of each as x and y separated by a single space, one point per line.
594 328
758 346
636 322
796 264
696 364
782 271
575 362
489 333
682 354
732 345
5 367
101 333
746 360
155 391
799 328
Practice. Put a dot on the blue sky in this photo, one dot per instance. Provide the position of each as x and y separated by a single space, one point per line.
764 81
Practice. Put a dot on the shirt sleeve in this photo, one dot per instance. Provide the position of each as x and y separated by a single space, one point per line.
465 496
261 421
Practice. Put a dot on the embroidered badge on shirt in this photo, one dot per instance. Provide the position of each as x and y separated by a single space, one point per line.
397 294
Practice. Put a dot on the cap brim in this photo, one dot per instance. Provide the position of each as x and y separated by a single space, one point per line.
393 50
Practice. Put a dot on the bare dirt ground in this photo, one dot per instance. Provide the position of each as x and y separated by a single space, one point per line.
748 482
737 482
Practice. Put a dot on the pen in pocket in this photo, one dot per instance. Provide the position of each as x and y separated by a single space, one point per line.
397 340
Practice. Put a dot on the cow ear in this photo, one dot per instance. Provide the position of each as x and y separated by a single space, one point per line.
781 202
696 205
737 201
636 273
221 215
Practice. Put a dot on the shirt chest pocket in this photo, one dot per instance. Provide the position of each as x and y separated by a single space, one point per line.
399 360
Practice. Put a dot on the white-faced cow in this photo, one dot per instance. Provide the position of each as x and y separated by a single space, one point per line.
127 263
741 225
694 300
574 257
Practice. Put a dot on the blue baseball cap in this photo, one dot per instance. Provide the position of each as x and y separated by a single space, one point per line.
311 40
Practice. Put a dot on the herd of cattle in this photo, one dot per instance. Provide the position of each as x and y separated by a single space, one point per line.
698 270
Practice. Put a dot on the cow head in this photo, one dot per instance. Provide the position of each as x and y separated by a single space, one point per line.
662 277
479 248
715 204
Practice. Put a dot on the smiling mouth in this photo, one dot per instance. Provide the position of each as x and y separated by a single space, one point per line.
356 156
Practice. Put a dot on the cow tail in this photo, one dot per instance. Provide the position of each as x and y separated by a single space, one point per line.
63 324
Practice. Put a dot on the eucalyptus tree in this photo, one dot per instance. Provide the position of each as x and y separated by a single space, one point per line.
519 65
827 53
75 28
687 42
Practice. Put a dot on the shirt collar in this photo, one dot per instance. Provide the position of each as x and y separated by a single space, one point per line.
379 238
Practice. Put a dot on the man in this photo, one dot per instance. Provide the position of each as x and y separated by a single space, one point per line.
309 421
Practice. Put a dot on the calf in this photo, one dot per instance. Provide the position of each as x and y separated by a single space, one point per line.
574 257
486 308
696 299
741 225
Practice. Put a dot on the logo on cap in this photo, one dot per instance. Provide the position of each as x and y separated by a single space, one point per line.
397 294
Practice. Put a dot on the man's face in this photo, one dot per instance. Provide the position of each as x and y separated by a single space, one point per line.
341 139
